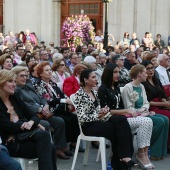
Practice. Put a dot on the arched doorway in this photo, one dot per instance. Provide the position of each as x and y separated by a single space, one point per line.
92 8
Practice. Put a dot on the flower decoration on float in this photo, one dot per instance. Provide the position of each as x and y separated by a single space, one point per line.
77 30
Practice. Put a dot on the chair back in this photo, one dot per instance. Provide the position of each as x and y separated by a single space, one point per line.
72 98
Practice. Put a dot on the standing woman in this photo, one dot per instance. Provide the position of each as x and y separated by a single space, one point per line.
15 119
134 97
158 103
94 122
109 94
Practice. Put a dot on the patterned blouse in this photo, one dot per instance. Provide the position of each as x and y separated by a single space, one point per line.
51 92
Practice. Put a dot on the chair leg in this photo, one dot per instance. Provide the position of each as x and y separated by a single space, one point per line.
103 153
86 154
98 155
76 153
22 161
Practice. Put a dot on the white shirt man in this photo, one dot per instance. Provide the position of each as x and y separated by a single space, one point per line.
164 64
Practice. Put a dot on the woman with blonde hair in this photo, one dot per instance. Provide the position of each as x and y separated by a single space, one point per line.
134 98
16 119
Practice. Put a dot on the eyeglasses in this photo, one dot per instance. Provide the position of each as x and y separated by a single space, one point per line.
149 68
75 58
23 76
44 54
62 65
7 52
121 59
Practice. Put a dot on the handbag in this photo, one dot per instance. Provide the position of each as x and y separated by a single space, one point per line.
24 136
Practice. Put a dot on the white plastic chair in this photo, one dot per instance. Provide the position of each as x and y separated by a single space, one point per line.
88 139
23 161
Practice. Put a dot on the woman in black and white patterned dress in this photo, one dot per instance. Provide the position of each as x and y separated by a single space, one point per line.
96 121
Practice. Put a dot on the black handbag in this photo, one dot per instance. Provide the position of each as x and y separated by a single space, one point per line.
24 136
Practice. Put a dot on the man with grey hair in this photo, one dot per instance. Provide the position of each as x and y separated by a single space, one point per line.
164 64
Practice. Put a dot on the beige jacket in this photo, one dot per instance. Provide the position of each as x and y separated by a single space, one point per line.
127 99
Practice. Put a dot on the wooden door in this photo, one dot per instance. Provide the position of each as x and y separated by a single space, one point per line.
92 8
1 15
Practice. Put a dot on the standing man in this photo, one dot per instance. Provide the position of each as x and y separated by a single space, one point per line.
159 42
134 38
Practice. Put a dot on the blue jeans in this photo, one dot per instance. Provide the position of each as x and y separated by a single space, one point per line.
6 162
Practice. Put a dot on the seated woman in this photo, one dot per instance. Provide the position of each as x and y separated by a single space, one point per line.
57 102
59 72
134 97
94 122
15 119
158 102
6 62
109 94
38 105
72 84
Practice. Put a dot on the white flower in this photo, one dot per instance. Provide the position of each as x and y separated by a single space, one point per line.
134 96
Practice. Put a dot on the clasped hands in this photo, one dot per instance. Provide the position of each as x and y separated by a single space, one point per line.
103 112
146 112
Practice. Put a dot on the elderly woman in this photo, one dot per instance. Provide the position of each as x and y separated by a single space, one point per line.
6 62
38 105
59 72
15 120
57 102
92 61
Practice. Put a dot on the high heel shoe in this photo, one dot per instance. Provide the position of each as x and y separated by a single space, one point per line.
144 167
73 148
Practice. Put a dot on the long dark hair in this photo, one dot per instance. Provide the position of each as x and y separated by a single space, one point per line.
107 76
85 74
155 82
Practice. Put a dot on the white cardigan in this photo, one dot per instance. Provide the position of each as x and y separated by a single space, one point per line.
128 103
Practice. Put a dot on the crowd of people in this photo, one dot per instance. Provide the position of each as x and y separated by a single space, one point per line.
120 91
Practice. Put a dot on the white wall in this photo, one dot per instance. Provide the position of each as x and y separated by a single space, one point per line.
43 17
38 16
139 16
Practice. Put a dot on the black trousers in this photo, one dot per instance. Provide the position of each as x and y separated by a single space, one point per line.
117 130
71 124
39 146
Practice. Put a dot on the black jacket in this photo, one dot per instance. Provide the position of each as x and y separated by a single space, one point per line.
7 127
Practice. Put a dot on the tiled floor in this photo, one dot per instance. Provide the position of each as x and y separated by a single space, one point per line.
92 165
